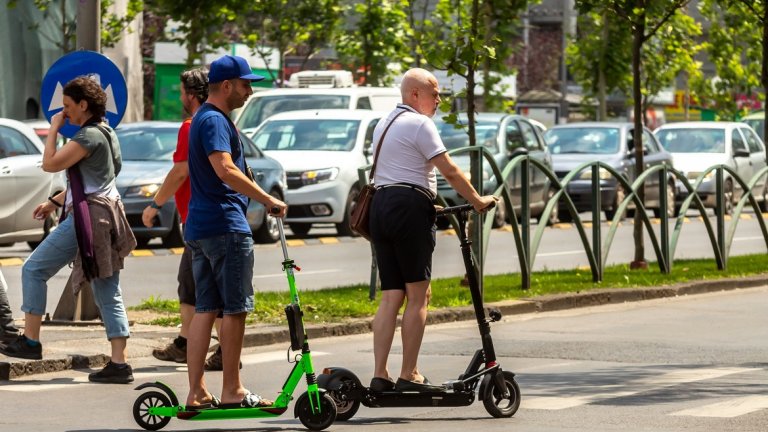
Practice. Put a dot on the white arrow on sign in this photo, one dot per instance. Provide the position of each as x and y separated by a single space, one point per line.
56 99
111 106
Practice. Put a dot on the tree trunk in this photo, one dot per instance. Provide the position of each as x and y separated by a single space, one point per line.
764 73
475 168
602 103
637 44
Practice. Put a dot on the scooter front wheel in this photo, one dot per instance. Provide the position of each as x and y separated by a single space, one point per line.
141 408
494 402
316 421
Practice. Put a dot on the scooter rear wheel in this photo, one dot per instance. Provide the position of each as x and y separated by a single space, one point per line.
493 401
141 408
321 420
345 408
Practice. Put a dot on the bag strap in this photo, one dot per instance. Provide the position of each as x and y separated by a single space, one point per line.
378 147
109 146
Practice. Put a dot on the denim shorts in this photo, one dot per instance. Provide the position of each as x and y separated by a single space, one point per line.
223 270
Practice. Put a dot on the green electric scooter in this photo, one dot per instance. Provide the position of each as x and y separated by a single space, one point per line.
316 410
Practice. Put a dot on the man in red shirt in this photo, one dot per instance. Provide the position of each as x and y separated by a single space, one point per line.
194 91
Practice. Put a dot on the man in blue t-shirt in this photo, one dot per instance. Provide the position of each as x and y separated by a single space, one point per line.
218 233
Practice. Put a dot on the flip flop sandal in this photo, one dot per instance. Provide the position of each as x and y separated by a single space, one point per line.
214 403
250 400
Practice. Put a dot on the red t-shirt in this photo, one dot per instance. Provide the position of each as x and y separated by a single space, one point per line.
181 154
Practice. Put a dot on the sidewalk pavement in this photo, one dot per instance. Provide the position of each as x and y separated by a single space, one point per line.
83 347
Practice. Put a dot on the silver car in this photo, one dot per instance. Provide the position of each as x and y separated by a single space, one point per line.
697 146
147 149
24 185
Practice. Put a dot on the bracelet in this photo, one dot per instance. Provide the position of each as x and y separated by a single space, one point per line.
154 205
50 198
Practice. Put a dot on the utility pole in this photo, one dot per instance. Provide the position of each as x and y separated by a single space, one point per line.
89 25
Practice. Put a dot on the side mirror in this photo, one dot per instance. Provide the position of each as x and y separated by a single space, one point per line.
741 153
517 151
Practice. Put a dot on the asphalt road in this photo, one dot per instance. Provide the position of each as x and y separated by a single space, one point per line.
694 363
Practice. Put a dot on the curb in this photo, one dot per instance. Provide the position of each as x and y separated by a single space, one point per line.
259 336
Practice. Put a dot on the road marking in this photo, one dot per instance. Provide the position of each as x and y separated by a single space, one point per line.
748 238
11 262
629 388
328 240
551 254
142 253
177 251
728 408
303 272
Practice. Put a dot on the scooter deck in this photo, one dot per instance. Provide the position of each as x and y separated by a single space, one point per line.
389 399
217 413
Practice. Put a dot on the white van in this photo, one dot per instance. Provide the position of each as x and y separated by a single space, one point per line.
262 105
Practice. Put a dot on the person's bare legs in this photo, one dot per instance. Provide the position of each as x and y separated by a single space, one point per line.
119 349
187 311
412 329
197 347
231 342
383 326
32 325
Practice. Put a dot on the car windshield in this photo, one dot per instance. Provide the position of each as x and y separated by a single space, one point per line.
314 134
261 108
756 124
586 140
454 138
150 144
692 140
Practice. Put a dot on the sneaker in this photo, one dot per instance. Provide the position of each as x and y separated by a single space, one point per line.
215 363
19 348
172 352
112 374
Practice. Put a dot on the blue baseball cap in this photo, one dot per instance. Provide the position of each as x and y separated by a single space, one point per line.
231 67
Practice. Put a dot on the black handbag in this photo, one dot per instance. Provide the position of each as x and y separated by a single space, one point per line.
360 216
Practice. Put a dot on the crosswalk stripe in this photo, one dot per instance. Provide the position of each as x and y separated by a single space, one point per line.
630 388
728 408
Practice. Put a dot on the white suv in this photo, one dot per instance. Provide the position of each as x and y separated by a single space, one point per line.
321 151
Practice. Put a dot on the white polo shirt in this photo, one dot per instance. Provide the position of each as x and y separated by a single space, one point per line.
408 148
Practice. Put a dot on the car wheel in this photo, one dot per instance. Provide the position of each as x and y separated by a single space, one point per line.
175 238
500 217
343 228
619 197
764 203
268 232
728 197
672 210
300 229
554 217
50 224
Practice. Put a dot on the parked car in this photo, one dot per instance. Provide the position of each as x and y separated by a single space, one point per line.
41 128
147 149
612 143
24 185
756 121
697 146
505 136
321 151
261 105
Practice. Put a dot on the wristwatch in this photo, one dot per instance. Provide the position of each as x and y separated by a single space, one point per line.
154 205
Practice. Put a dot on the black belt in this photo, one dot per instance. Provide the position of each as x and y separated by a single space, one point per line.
427 193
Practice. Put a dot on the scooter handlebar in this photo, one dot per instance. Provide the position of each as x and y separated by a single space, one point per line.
274 210
463 208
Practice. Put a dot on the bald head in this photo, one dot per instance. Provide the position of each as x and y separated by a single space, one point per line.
420 91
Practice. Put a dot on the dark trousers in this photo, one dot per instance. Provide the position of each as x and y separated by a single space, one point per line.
6 317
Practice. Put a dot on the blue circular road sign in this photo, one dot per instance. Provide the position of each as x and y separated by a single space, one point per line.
84 63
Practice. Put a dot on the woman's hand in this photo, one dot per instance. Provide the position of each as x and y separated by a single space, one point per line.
57 121
43 210
485 203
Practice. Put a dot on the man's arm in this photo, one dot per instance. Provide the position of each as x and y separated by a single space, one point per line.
230 174
173 181
456 179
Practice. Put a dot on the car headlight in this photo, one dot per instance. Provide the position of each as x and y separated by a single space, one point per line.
144 191
319 176
603 174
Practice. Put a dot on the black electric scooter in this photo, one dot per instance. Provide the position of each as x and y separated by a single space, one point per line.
497 388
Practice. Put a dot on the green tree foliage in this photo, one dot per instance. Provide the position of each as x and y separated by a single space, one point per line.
114 25
734 46
644 18
202 23
599 58
301 27
379 37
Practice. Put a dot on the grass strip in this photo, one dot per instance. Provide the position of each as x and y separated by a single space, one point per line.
343 303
